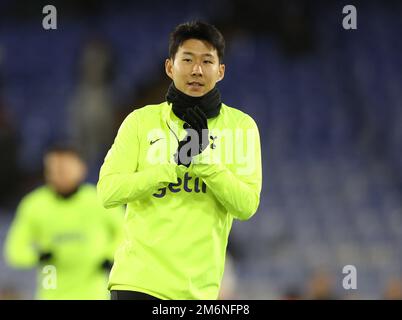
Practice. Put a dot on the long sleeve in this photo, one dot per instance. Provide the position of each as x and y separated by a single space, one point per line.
114 220
119 181
19 248
236 187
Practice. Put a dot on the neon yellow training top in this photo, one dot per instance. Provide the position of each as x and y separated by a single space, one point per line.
78 232
178 219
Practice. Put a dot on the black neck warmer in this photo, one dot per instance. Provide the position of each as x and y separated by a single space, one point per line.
210 103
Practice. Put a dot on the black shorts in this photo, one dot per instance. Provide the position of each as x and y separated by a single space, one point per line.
130 295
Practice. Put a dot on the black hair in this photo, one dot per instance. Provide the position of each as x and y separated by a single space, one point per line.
196 30
64 147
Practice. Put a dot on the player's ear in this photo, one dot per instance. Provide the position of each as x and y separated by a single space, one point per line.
221 72
169 67
84 171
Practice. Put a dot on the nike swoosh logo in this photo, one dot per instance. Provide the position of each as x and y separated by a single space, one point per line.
153 141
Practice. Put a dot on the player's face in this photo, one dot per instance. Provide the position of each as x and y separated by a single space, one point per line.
64 171
195 68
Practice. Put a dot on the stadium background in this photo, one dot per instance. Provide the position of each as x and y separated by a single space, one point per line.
328 103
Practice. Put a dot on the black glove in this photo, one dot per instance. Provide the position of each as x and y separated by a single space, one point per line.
196 140
45 257
107 265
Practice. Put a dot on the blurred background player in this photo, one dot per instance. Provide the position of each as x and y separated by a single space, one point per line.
90 110
327 102
62 224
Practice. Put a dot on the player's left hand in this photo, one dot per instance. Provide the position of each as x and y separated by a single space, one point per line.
107 265
45 256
